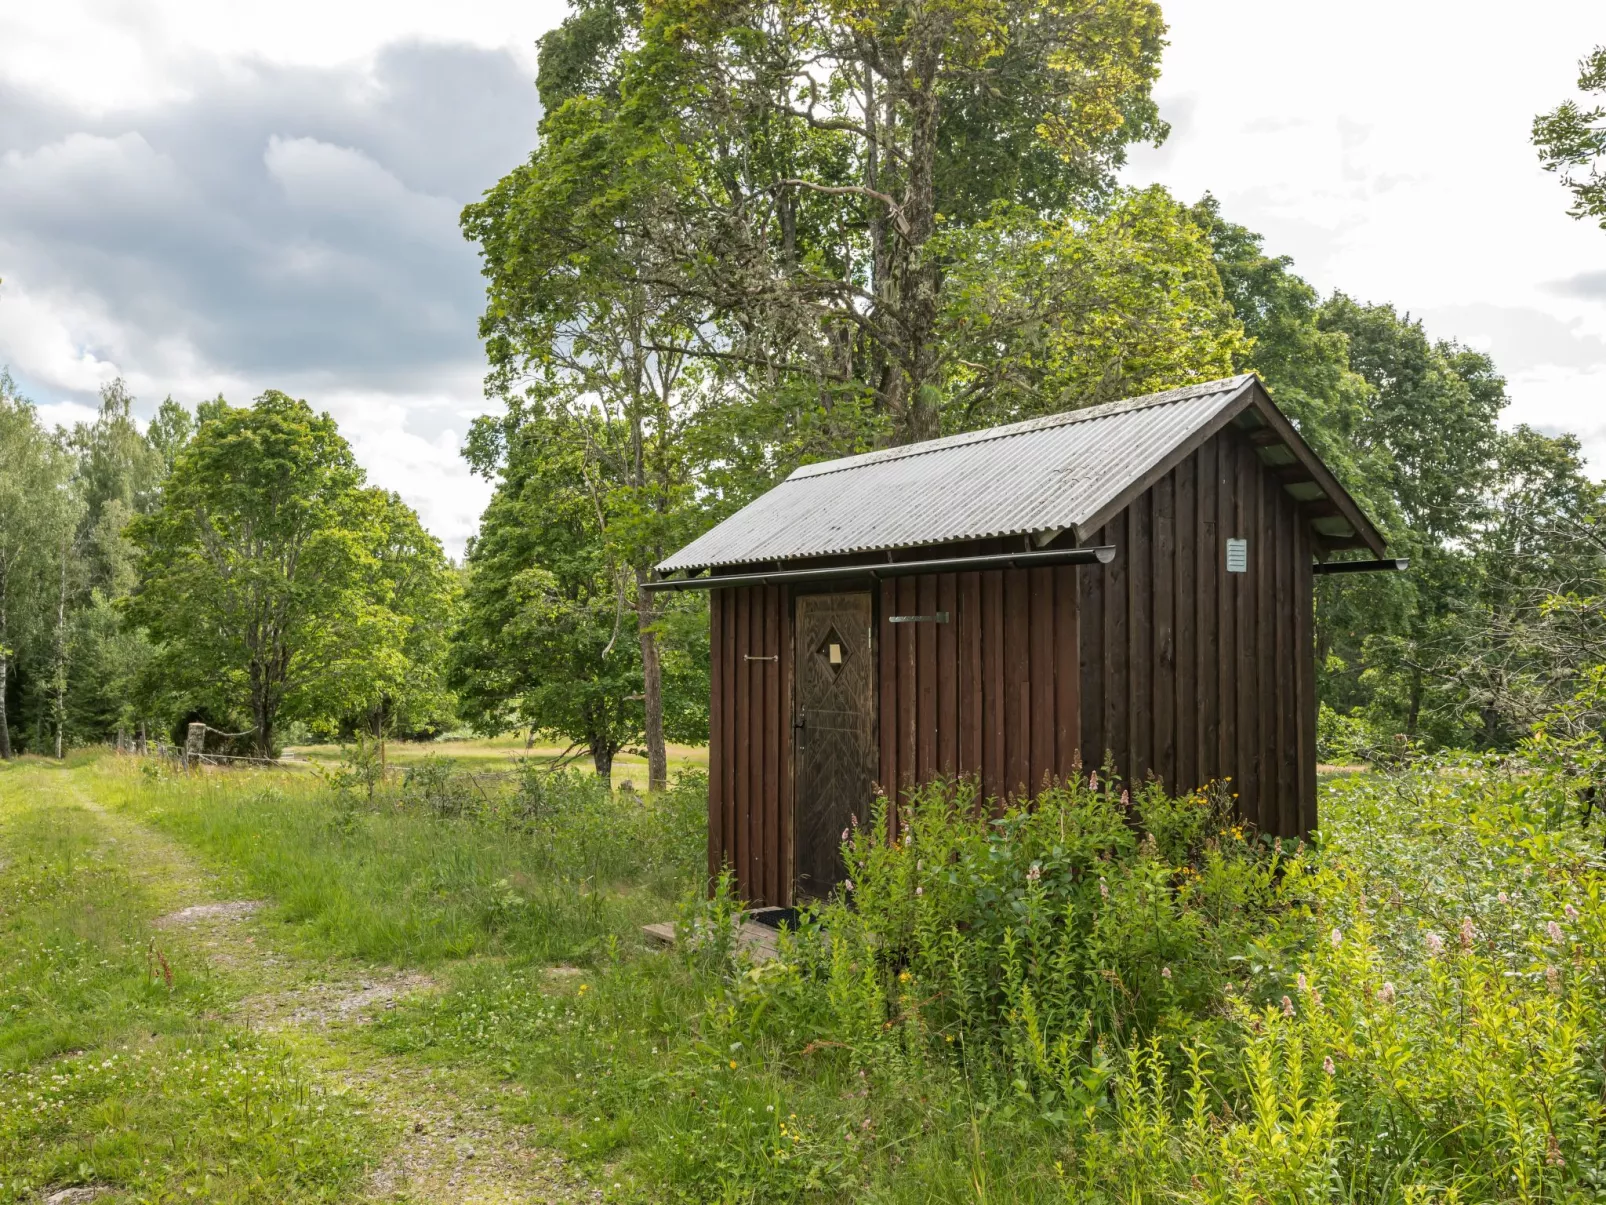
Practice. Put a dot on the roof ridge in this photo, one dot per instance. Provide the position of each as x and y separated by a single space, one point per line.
1164 397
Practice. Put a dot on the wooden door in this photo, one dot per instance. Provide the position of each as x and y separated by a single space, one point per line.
833 719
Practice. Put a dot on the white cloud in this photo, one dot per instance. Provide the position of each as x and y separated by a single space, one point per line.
1384 145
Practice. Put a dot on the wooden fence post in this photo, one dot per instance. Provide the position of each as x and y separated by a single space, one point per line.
194 744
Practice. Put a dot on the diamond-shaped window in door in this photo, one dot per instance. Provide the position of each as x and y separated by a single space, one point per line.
833 651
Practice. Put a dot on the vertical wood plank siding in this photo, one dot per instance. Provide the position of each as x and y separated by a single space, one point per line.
750 741
1160 663
1209 674
1005 672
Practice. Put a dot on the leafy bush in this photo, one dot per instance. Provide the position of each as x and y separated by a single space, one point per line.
1024 938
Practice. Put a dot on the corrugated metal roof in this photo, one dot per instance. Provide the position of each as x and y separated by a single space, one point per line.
1040 475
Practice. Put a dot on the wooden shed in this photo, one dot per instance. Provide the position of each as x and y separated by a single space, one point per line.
1130 582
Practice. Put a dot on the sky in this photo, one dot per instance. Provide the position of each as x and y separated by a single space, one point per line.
211 198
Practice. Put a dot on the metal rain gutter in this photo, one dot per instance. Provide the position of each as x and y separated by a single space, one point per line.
1387 565
1100 555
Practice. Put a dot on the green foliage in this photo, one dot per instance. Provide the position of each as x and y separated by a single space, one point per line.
278 585
543 641
1571 141
1045 315
1409 1011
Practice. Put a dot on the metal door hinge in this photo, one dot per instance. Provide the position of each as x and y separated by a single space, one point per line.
939 617
750 657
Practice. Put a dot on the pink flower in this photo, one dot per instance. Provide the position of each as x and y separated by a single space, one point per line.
1572 913
1126 798
1315 997
1093 781
1467 933
848 883
1327 1065
1034 874
1386 993
1104 889
853 820
1503 898
1555 933
1435 945
1337 938
1553 979
844 834
1277 845
1288 1007
1165 972
1304 984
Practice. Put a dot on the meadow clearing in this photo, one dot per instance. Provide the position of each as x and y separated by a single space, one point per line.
254 985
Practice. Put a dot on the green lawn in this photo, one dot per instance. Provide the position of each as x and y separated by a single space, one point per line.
112 1070
1045 1008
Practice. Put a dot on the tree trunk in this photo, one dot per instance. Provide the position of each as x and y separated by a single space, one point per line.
652 678
5 729
61 660
5 667
602 759
262 715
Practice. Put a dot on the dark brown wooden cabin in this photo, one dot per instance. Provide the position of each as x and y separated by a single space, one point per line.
1130 583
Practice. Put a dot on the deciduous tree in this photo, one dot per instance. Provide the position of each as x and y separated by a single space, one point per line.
263 573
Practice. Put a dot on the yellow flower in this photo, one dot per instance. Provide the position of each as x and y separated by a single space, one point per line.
904 976
733 1064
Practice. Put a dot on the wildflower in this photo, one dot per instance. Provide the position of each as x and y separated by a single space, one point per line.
1435 945
1555 933
847 884
584 988
904 976
1303 983
1503 898
1572 913
844 834
1467 933
1553 979
1315 997
853 820
920 891
1327 1065
1553 1155
1165 972
1277 845
1104 888
1126 798
1288 1007
1093 781
733 1064
1386 993
1035 874
1337 938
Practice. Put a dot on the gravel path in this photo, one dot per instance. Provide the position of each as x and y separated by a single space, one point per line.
453 1145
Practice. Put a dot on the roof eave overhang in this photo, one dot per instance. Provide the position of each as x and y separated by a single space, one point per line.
1252 395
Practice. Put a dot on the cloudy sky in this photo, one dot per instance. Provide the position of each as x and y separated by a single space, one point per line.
209 198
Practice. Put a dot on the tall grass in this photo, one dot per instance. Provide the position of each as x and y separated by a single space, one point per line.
1111 996
438 866
1108 999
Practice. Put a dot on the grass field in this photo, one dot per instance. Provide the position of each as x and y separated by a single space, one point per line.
247 985
503 752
